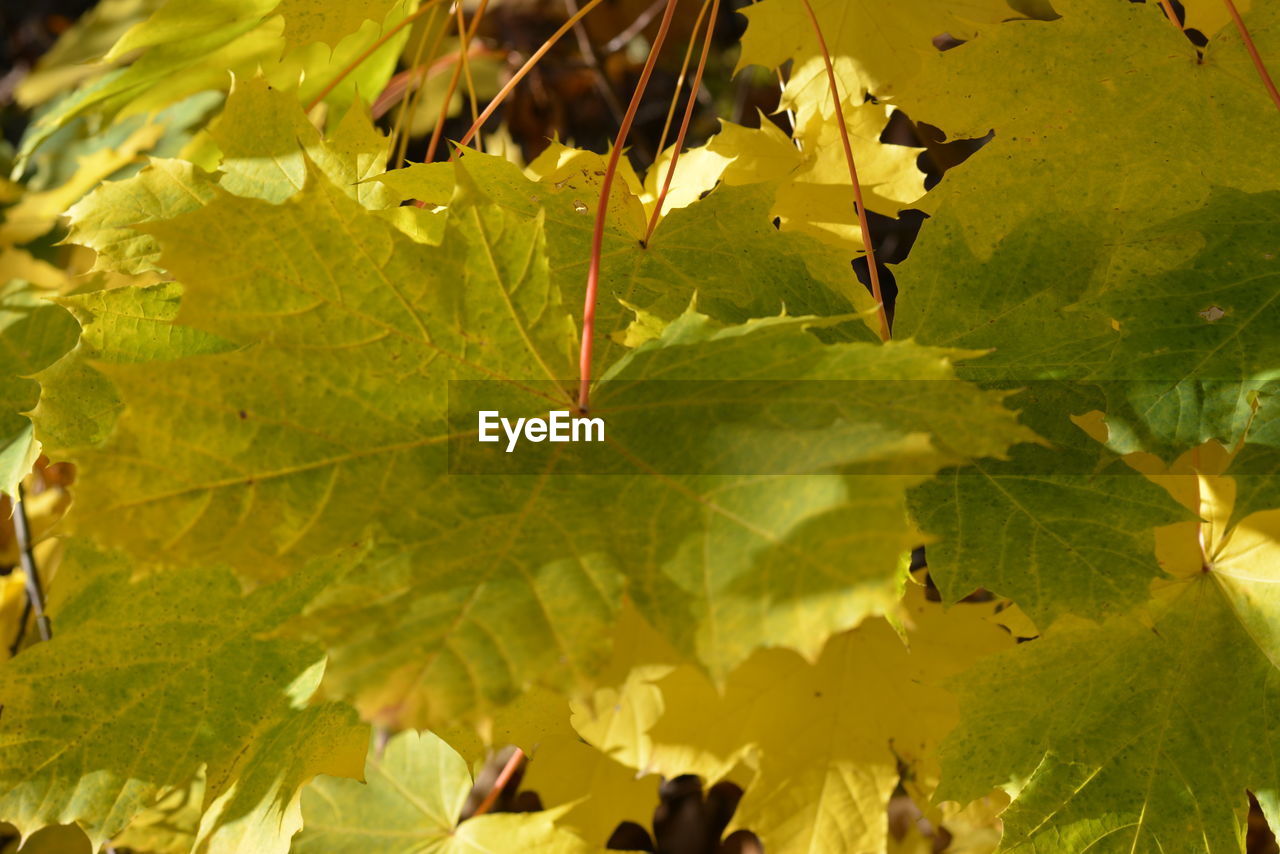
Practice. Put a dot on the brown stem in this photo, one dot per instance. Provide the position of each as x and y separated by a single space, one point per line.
588 52
415 98
27 559
414 79
504 777
524 71
853 175
1253 53
684 123
684 69
405 96
355 63
602 210
453 80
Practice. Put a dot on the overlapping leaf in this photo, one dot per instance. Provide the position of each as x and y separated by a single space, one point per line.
189 46
758 271
1108 113
1161 721
810 171
826 742
33 333
147 681
412 804
877 48
328 415
263 139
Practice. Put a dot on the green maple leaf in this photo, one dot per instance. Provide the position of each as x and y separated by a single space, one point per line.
1198 342
411 803
310 21
1059 503
759 271
145 682
875 47
259 807
33 334
1126 754
1174 358
263 140
188 46
318 309
105 219
1122 288
1256 465
780 574
1042 529
1108 113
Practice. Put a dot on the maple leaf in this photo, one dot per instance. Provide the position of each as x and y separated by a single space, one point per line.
878 47
590 792
825 742
1124 757
1255 467
1109 107
33 334
1091 327
98 721
1197 342
104 220
1207 17
78 54
169 824
188 46
331 311
310 21
811 173
417 786
1060 507
1028 304
759 271
263 141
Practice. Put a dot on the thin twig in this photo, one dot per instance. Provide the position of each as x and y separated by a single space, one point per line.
27 558
415 78
602 210
684 71
523 72
504 777
688 115
588 52
21 633
355 63
642 20
466 64
415 99
406 96
853 175
1253 53
1170 14
438 130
